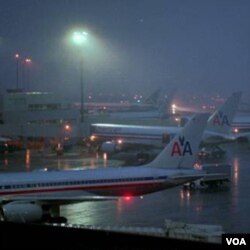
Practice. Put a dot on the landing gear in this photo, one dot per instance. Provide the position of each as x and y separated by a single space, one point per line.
1 215
211 152
56 219
52 215
189 186
59 220
192 186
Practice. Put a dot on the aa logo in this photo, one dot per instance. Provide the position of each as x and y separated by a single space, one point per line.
220 119
181 147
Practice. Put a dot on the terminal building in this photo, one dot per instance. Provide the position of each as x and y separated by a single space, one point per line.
46 116
38 115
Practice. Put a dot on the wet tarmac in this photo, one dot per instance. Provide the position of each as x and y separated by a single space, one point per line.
227 205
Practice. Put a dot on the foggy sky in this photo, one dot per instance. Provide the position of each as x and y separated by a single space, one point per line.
199 46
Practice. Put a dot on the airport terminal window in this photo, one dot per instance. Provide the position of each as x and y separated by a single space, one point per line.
52 106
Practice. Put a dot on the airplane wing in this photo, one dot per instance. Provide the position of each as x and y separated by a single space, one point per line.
242 135
186 178
215 137
215 176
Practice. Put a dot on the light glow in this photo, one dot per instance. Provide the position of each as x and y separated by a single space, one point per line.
236 130
105 156
127 196
79 38
27 159
67 127
197 166
28 60
92 138
174 108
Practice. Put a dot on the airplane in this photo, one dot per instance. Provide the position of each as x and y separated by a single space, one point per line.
160 109
241 123
36 196
149 103
134 115
113 138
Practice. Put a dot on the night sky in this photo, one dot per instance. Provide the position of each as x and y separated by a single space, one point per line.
195 46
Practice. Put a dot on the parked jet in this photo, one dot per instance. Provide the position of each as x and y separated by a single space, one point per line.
34 196
160 109
241 124
114 137
150 103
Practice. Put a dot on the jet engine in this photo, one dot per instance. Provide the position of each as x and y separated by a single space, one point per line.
21 212
110 147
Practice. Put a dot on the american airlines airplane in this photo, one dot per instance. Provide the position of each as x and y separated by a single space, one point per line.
115 137
36 196
241 124
150 103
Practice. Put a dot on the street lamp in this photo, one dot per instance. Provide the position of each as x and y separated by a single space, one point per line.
79 38
17 56
28 63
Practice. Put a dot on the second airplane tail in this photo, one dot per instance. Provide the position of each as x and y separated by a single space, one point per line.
182 150
221 120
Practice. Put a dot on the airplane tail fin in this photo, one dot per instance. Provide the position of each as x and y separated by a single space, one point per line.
153 98
164 105
221 119
183 148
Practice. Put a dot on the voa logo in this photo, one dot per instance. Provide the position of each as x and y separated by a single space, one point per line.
236 241
220 119
181 147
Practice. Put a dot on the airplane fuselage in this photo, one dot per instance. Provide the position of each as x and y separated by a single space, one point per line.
129 181
156 136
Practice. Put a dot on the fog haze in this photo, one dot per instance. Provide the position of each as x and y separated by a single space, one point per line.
195 46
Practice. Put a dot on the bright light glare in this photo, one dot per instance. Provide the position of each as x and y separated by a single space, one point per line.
127 198
79 37
236 130
28 60
119 141
67 127
92 138
173 108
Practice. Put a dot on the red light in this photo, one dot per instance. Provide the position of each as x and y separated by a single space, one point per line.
197 166
127 198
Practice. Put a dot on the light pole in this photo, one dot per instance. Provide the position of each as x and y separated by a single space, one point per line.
82 92
28 63
17 69
80 38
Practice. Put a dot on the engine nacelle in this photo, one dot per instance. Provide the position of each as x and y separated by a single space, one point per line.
22 212
110 147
